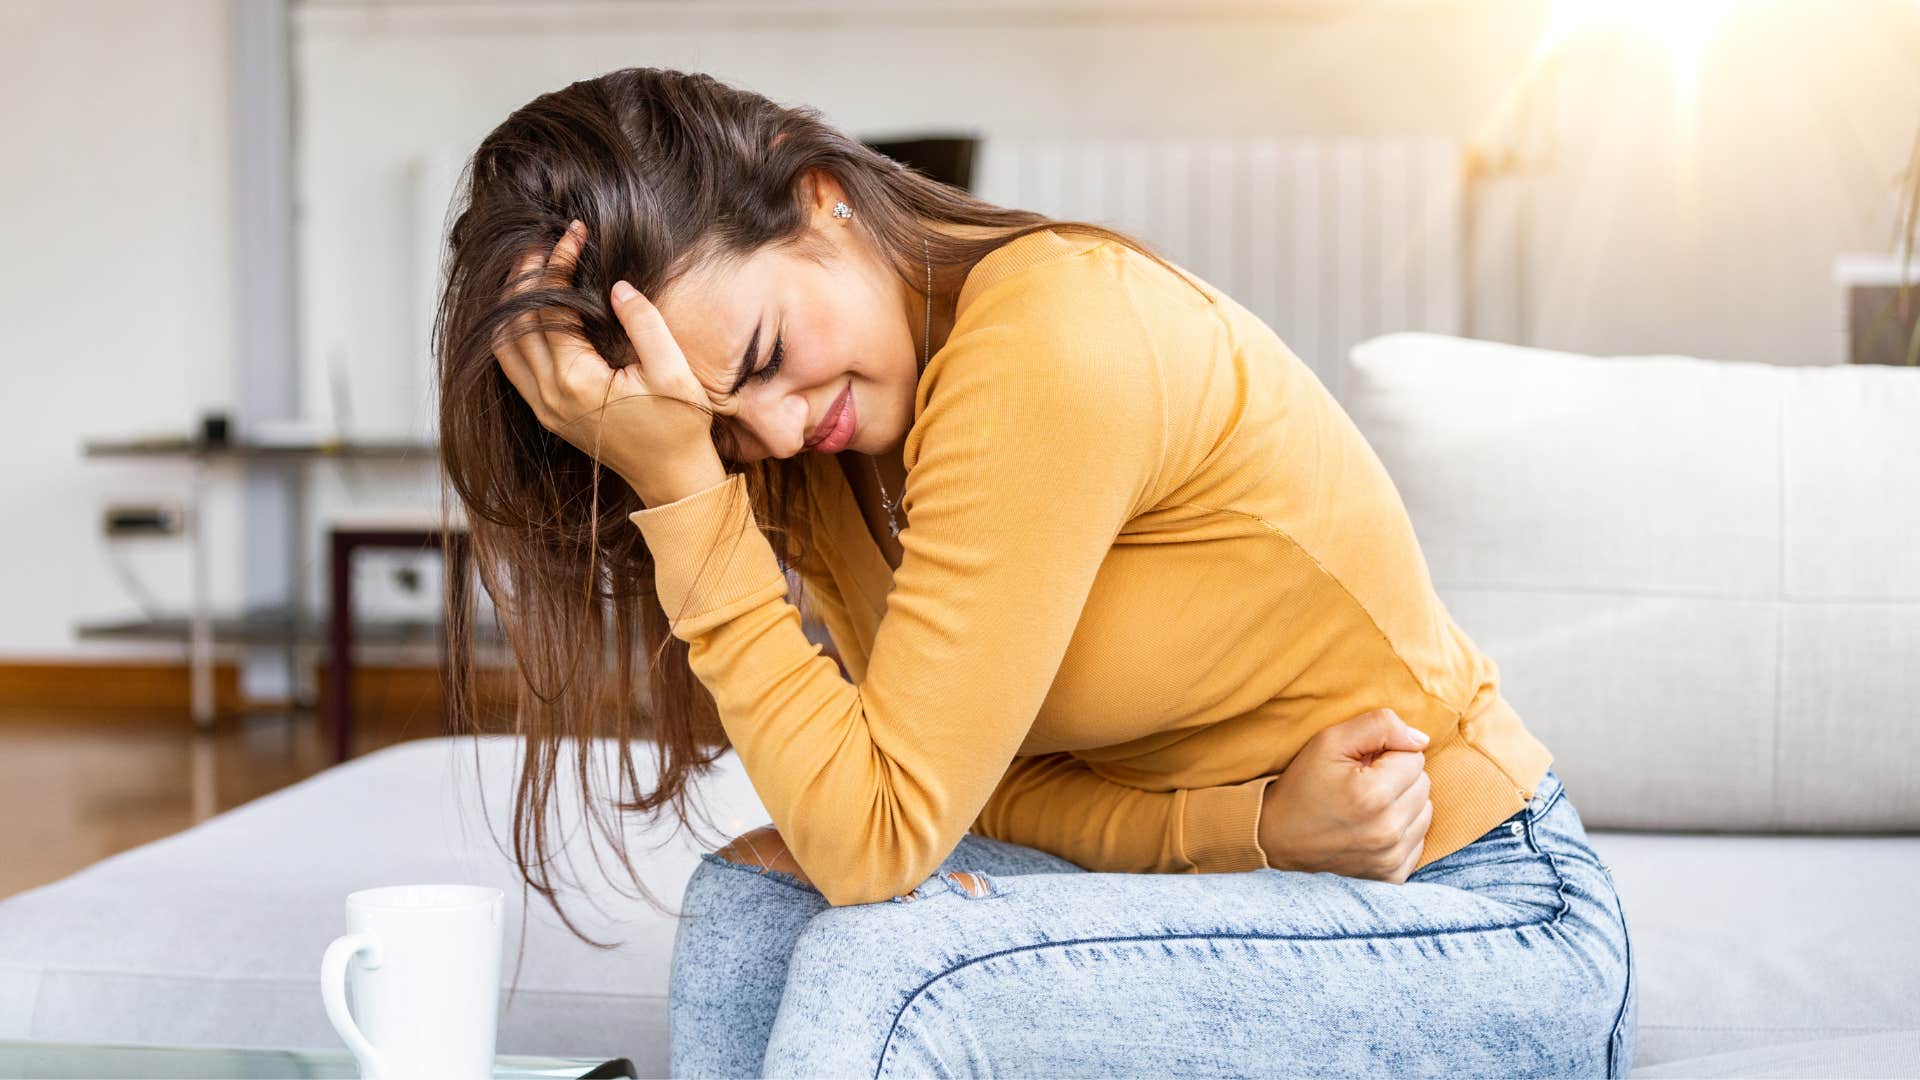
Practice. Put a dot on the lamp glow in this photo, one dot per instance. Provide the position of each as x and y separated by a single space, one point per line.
1681 27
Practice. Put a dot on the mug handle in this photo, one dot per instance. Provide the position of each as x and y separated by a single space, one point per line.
333 991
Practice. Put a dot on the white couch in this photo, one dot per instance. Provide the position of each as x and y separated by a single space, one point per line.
1701 581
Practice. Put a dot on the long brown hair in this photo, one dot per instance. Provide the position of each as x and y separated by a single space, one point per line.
668 169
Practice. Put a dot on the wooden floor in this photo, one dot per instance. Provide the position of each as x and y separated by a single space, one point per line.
76 786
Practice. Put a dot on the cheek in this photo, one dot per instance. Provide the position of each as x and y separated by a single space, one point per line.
833 340
813 346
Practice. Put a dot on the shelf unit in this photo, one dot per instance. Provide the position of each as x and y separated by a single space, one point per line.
290 625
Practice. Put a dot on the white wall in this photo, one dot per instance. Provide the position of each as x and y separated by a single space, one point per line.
1637 240
116 316
1625 234
1631 237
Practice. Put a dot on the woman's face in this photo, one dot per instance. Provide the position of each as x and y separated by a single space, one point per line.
848 325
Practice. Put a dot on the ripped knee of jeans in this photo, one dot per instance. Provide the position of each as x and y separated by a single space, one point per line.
762 850
966 883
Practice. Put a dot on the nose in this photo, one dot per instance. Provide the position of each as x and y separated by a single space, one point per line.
778 427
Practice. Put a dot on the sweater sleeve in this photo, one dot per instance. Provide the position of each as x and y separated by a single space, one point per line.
1057 803
1038 432
1060 804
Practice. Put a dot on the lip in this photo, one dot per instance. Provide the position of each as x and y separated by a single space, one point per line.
827 431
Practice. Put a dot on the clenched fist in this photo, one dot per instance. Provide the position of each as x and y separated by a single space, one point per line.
1353 801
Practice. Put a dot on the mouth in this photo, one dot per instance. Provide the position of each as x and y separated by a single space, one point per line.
827 432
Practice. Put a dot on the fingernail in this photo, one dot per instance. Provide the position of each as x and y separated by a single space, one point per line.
574 226
1419 736
623 292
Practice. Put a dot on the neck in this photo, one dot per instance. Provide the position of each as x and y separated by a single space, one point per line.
893 471
945 295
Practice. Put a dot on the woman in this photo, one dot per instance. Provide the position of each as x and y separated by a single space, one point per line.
1155 751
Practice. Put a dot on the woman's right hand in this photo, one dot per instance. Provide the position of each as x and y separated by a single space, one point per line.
1353 801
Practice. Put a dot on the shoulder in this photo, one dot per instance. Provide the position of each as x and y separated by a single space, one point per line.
1049 336
1068 271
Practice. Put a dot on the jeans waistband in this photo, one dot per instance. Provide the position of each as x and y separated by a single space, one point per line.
1548 789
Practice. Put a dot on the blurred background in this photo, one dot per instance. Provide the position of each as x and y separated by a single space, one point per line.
225 218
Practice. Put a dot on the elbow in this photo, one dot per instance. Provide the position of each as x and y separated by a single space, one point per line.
839 895
873 885
892 856
868 871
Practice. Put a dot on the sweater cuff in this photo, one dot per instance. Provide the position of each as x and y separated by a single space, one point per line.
710 560
1220 827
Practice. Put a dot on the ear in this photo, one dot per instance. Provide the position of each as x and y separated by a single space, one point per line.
821 189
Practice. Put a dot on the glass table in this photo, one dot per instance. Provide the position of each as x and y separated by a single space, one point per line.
41 1059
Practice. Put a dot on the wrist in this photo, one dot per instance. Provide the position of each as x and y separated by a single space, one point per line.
1268 832
671 482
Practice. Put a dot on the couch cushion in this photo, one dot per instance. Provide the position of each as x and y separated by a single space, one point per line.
1742 942
1890 1053
213 936
1698 578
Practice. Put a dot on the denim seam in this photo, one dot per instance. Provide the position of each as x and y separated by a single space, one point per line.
1532 819
1558 793
1770 1028
1620 1014
767 872
886 1047
1626 996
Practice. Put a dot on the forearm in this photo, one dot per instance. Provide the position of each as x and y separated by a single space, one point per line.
1059 804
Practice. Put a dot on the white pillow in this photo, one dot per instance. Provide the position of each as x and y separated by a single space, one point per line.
1700 579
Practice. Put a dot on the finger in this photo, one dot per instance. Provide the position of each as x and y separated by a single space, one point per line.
514 366
517 281
576 372
566 254
524 333
1367 734
565 349
1399 735
1416 843
642 321
1406 805
1397 770
1377 787
509 341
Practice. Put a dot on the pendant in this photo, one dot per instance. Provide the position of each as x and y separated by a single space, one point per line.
893 526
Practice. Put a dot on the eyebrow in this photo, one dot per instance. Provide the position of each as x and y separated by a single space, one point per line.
746 359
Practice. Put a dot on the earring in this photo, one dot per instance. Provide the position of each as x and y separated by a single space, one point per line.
842 211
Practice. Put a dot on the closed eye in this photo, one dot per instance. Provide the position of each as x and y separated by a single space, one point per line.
773 362
723 436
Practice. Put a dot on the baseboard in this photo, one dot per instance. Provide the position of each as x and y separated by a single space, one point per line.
148 690
132 686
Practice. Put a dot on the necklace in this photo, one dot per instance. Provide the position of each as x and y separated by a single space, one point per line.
926 351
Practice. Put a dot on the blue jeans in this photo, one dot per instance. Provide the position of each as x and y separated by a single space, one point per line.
1507 957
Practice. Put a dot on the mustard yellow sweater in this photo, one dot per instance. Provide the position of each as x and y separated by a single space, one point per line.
1146 556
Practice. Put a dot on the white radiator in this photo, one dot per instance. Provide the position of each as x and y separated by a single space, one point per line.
1328 240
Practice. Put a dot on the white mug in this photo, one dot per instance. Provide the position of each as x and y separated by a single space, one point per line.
427 987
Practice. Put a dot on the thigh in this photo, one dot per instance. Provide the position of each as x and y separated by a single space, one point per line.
1506 957
737 930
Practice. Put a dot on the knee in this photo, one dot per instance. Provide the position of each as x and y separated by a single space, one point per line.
974 884
763 848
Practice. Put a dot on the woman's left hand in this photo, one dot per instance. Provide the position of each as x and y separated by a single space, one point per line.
620 416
